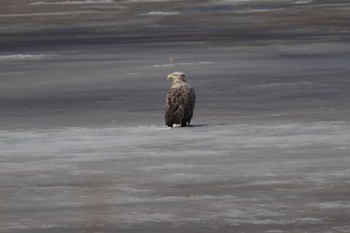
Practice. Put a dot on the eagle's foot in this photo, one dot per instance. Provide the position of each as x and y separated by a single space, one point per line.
177 125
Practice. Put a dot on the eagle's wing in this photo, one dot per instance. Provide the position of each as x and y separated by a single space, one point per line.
190 105
174 107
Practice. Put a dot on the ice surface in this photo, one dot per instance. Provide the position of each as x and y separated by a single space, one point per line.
280 176
84 148
71 2
25 57
162 13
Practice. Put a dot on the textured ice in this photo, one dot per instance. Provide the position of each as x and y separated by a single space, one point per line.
46 14
239 173
70 2
83 146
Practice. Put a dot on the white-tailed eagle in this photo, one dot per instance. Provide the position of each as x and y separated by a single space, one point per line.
180 101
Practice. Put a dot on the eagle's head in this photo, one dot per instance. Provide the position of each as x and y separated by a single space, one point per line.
177 77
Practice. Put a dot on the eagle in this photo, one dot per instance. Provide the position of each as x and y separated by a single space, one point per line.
180 101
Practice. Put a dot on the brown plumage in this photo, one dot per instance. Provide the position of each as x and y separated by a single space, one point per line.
180 101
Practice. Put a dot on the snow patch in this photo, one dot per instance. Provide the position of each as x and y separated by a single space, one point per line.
162 13
25 57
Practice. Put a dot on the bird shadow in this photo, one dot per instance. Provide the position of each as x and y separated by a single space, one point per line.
205 125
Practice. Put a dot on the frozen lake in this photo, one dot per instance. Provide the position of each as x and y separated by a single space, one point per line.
84 148
214 178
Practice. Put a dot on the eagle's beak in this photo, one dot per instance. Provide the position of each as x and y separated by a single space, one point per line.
170 76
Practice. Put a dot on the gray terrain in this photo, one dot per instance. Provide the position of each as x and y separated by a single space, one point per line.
84 147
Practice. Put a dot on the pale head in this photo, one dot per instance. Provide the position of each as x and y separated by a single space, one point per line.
177 77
